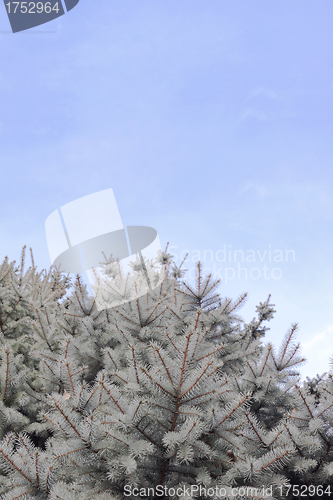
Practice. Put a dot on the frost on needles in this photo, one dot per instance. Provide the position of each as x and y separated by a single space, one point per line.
170 389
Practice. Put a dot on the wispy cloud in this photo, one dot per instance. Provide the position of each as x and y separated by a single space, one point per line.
263 91
305 197
266 104
258 189
253 113
318 350
310 196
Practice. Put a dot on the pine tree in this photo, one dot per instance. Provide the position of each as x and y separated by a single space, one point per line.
169 389
28 305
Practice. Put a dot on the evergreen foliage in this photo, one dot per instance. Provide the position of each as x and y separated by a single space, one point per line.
170 389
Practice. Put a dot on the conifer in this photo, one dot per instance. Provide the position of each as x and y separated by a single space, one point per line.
167 388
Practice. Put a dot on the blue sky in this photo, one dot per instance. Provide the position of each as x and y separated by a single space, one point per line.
212 122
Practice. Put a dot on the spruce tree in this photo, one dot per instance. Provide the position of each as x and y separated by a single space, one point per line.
163 391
